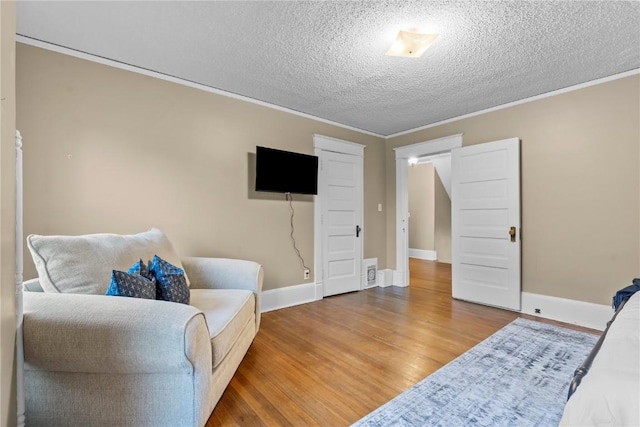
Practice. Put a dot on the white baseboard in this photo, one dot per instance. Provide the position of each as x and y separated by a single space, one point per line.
275 299
397 279
385 278
423 254
589 315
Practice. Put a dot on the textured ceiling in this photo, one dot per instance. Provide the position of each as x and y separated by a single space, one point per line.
326 58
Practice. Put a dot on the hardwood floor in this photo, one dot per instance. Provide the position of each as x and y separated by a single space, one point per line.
331 362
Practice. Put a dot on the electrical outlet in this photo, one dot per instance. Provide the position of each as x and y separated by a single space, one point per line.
537 311
306 274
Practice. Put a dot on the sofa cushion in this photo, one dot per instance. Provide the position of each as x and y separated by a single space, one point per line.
83 264
172 285
227 312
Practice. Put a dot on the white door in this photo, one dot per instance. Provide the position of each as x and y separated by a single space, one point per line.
485 223
341 190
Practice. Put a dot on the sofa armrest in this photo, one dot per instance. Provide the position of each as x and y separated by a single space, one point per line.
224 273
96 333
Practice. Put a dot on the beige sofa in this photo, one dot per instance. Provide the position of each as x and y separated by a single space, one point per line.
96 360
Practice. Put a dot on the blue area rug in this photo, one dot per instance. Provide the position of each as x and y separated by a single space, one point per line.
519 376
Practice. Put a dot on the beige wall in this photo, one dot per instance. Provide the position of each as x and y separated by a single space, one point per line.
137 143
421 207
108 150
442 221
7 214
580 186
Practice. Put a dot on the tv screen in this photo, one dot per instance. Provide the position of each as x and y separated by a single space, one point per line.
280 171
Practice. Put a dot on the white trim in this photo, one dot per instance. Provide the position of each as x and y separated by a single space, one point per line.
431 147
19 361
385 278
275 299
403 154
521 101
336 145
430 159
423 254
398 279
326 143
177 80
587 314
402 218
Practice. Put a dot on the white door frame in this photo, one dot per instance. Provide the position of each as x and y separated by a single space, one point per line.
403 154
327 143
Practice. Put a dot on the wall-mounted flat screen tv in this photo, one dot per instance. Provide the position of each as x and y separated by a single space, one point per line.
280 171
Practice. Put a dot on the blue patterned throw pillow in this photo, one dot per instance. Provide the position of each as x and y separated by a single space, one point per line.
140 269
171 283
131 285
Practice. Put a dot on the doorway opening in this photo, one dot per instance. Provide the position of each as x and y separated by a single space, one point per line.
404 154
429 184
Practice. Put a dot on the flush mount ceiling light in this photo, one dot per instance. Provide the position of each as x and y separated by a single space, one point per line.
411 44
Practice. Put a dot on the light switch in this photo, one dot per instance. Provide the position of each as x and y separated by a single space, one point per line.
379 207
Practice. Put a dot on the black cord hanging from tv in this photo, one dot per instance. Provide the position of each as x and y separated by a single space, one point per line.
288 197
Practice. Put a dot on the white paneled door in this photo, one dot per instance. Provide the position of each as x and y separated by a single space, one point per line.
342 193
485 223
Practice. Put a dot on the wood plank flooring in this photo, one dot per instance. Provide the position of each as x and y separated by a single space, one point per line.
331 362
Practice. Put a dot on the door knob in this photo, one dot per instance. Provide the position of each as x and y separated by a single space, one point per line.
358 230
512 233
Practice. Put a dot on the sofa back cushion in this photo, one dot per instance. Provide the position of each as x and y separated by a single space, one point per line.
32 285
83 264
